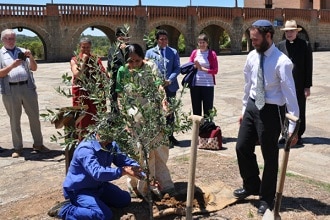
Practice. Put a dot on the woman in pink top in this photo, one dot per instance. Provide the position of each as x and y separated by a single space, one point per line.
202 92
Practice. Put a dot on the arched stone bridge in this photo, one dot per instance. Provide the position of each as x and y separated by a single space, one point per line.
59 26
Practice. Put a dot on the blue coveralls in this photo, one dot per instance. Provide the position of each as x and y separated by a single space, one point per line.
87 182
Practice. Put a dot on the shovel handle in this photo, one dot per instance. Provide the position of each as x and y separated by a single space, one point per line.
197 120
291 117
280 186
295 131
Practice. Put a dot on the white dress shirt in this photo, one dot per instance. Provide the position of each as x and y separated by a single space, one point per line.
278 80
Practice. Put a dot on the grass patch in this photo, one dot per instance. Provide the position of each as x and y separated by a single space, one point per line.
183 158
320 184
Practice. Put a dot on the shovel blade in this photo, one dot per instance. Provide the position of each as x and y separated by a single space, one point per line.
269 215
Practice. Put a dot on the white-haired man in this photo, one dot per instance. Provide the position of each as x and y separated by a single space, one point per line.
18 89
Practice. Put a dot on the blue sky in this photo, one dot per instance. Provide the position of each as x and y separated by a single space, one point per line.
96 32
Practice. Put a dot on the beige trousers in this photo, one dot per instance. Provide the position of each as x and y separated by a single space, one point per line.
158 170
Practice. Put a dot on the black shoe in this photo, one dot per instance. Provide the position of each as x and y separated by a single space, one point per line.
53 212
263 206
242 193
281 141
174 141
299 142
1 149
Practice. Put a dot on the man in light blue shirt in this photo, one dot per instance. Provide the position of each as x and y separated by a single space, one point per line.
18 90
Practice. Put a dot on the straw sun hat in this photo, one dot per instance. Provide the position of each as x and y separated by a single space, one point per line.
291 25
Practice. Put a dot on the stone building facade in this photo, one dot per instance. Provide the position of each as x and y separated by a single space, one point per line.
298 4
59 26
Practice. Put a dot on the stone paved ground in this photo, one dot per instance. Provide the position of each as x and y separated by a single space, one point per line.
19 176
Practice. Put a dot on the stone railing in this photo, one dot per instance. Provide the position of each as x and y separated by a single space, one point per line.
157 11
324 16
249 13
96 10
130 12
206 12
22 10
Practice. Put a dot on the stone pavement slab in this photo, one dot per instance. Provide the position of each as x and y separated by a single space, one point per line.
311 160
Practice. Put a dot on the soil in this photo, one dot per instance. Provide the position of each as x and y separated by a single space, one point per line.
31 186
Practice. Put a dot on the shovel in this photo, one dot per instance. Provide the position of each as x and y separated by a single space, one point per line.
197 120
274 215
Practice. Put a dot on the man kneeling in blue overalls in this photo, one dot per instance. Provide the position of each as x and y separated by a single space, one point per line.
86 188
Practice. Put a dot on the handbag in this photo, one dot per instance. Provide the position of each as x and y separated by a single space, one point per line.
189 71
210 136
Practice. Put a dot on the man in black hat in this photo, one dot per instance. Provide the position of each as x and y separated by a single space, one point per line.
300 53
117 56
268 85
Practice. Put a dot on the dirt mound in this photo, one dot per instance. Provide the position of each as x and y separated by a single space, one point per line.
31 187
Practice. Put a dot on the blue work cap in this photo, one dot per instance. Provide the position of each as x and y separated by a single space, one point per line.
262 23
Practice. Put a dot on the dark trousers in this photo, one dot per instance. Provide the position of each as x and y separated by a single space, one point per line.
170 118
302 112
263 125
202 96
301 99
113 93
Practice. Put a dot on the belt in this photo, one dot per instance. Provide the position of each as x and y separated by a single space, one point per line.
18 83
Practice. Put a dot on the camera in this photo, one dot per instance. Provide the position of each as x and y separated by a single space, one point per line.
21 56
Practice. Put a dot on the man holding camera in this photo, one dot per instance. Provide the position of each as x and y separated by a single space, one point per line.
18 89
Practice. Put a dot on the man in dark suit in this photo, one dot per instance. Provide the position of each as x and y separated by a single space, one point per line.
168 61
117 56
300 53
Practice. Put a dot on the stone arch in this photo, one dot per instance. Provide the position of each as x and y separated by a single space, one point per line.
109 30
279 35
247 24
246 27
246 33
43 36
173 27
209 27
75 36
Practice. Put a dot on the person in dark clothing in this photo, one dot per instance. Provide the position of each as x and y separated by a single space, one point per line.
117 57
300 53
